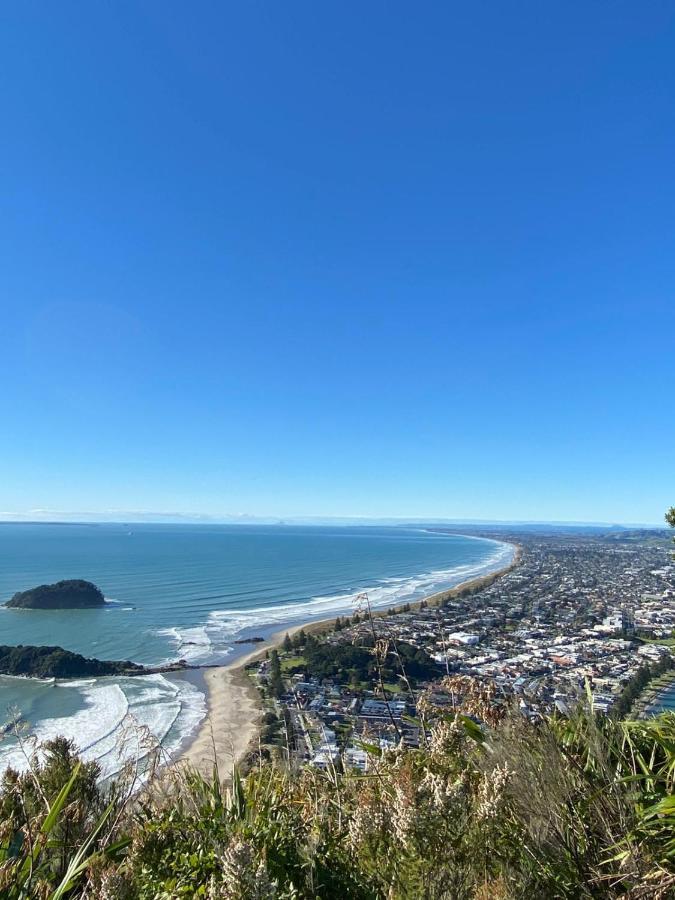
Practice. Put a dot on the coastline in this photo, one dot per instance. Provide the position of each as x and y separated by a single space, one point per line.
647 704
234 709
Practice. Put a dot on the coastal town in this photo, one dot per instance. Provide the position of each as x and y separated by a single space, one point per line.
576 614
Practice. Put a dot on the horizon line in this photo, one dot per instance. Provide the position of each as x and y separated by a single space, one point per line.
175 518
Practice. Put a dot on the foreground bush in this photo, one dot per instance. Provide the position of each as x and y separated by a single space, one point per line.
565 808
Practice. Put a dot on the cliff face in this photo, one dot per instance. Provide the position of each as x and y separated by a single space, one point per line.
55 662
75 594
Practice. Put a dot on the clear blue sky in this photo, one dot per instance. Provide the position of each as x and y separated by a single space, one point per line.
338 259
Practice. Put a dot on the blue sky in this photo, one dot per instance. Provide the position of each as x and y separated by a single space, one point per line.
376 259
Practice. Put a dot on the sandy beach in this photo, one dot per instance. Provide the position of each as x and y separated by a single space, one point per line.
231 722
234 708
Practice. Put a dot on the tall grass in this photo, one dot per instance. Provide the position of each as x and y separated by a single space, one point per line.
576 807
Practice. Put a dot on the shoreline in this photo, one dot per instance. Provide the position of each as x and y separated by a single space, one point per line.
233 704
651 695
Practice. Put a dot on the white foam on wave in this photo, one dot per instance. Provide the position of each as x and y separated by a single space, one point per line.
192 711
192 644
117 717
104 710
212 640
122 605
27 678
107 708
166 710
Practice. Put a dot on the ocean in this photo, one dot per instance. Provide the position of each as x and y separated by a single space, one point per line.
188 592
663 702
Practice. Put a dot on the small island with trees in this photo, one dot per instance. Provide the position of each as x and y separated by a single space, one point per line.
73 594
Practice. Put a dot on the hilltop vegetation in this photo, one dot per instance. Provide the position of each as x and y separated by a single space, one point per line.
569 808
73 594
325 660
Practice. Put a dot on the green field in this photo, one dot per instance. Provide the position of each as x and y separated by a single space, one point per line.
291 662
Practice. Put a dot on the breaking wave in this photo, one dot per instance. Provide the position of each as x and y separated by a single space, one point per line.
114 720
212 641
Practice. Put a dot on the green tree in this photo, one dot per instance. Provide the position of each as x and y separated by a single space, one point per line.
22 798
276 681
299 639
287 645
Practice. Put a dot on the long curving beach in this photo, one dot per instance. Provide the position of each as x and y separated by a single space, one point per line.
234 709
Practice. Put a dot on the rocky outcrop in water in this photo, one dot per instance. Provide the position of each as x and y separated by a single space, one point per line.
74 594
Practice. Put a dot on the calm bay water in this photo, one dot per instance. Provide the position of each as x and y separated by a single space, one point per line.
182 591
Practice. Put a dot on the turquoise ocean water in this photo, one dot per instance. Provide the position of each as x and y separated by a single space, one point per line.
188 591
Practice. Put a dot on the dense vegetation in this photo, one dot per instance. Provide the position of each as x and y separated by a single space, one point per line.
55 662
344 661
74 594
569 808
275 679
638 683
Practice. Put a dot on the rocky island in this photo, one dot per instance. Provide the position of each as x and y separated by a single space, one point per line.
73 594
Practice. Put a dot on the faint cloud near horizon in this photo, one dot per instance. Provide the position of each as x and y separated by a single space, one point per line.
122 516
